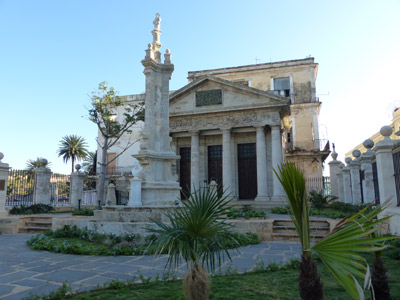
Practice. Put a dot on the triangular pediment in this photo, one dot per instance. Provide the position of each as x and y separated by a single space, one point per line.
214 94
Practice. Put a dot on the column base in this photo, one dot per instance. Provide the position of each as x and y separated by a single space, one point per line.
262 198
281 198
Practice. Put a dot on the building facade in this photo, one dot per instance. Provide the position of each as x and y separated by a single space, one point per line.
235 125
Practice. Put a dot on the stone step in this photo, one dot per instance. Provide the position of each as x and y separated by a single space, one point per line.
313 223
294 237
292 227
38 223
293 231
33 229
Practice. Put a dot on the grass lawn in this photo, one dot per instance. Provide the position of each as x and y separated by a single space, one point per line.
279 284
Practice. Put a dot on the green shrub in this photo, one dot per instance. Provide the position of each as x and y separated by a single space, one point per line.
280 210
246 212
32 209
319 200
83 212
72 240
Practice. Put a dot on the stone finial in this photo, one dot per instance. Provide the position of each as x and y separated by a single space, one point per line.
1 156
43 162
341 166
77 167
167 57
348 160
356 153
386 131
156 34
369 144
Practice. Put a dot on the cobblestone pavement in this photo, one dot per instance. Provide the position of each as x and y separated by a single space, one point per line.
24 272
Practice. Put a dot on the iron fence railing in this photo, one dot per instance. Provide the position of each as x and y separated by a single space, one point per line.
20 187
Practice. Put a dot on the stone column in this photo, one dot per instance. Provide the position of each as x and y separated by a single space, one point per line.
366 168
76 189
347 197
42 184
226 161
195 162
334 170
355 177
3 184
262 190
341 182
385 168
276 140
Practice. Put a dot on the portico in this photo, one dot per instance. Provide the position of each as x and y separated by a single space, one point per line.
235 140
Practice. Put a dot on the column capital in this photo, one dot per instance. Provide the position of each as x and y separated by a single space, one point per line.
226 129
194 132
259 126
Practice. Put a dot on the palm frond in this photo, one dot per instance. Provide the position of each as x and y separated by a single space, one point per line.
196 232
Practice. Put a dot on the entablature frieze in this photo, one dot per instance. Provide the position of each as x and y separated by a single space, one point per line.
224 120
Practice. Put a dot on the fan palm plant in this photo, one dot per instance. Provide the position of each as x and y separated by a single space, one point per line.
32 164
72 147
340 250
197 233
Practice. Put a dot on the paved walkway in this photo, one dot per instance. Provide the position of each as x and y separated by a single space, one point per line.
24 272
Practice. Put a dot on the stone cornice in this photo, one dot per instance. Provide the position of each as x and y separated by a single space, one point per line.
273 65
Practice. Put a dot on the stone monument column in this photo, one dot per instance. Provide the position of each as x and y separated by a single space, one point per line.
262 192
42 184
156 156
195 162
347 182
366 168
355 177
334 170
3 184
385 168
276 140
76 189
227 161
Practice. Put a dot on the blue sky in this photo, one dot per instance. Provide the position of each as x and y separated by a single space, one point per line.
54 53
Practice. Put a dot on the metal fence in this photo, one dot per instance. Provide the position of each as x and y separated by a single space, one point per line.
89 198
20 187
59 192
319 184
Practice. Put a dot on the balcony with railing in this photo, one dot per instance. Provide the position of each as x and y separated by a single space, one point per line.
119 171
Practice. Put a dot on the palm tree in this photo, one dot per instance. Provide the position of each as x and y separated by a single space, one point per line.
340 250
32 164
89 162
72 147
198 234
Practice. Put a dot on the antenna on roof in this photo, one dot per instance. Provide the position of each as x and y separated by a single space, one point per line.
257 60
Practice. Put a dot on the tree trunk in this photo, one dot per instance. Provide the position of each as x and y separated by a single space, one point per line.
102 174
380 284
73 164
196 284
310 284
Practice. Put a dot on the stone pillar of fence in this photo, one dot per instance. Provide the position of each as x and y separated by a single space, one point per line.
111 197
385 168
76 189
42 184
347 182
368 188
334 170
355 177
3 184
341 182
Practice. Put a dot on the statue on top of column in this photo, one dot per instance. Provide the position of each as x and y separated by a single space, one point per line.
157 22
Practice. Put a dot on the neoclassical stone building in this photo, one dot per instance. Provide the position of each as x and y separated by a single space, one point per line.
233 125
236 124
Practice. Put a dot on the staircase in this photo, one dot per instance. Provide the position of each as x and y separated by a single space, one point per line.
35 224
285 230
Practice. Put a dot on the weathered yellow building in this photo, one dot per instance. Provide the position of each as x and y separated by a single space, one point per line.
378 136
